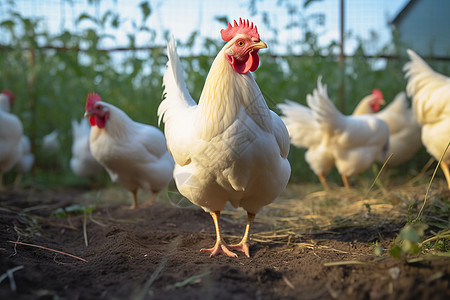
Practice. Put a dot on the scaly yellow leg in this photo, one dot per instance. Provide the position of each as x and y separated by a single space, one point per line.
135 202
323 180
243 245
220 246
445 169
345 180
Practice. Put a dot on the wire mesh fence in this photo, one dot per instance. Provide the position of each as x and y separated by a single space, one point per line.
53 53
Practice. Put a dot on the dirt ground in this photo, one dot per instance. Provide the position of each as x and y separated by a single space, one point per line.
153 252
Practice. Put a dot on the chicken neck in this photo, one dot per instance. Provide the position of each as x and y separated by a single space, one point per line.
224 95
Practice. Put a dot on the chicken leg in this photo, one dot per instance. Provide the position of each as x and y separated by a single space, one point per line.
135 202
323 180
220 246
243 245
346 182
18 180
445 169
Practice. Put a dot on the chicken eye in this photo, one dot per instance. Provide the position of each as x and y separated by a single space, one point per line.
240 43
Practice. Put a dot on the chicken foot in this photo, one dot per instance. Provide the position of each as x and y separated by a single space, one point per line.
220 246
243 245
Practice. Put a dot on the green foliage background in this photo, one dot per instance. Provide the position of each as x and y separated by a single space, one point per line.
51 85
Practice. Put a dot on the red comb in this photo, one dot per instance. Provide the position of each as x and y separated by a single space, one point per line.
10 96
243 27
377 93
91 99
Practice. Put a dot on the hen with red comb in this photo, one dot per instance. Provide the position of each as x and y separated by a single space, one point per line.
134 154
349 143
404 130
229 147
6 100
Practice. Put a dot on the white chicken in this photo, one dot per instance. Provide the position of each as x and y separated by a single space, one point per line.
82 163
351 143
26 159
11 131
229 147
430 92
134 154
404 131
305 132
6 101
50 142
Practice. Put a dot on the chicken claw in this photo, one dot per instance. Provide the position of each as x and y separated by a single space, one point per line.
242 247
220 246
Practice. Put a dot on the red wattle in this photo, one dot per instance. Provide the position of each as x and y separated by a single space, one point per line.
255 61
250 64
92 121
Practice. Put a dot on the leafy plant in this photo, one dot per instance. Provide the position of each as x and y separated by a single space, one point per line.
72 210
51 74
408 241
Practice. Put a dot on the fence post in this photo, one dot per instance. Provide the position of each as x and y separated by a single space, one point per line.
342 59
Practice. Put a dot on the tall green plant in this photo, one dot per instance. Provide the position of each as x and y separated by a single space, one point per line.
51 74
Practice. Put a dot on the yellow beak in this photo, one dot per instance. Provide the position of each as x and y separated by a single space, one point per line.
259 45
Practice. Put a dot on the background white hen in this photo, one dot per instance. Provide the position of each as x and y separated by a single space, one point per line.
404 130
351 143
82 163
26 157
355 141
50 142
431 105
305 132
134 154
229 147
11 131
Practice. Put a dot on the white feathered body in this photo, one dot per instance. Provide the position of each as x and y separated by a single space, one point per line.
82 163
351 143
404 130
305 132
50 142
5 104
431 104
229 147
26 159
11 131
134 154
355 141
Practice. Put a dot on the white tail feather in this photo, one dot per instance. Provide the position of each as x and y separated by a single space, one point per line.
323 109
174 84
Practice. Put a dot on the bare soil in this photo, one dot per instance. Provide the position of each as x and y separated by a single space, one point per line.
153 252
